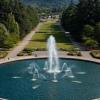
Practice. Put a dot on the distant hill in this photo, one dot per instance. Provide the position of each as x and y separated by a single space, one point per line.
49 3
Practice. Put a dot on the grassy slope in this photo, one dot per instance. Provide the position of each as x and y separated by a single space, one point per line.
49 28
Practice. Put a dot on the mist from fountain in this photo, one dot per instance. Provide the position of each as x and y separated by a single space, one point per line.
33 69
68 73
46 65
64 67
36 74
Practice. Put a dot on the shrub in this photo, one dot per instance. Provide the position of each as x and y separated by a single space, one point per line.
28 50
79 54
3 54
88 31
90 42
20 54
95 53
74 53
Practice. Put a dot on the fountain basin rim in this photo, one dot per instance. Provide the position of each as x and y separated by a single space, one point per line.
31 57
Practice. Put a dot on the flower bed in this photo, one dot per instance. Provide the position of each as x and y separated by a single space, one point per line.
74 53
26 52
3 54
95 54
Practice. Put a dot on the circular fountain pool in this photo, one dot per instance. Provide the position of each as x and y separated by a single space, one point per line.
16 82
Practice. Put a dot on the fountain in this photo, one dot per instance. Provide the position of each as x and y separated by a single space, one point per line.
35 74
33 69
53 59
46 65
50 78
53 56
68 72
51 66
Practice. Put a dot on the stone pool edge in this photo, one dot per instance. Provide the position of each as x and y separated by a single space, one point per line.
41 57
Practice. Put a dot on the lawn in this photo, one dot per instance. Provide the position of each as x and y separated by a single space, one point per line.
48 28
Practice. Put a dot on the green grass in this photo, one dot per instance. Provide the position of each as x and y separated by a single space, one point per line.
46 29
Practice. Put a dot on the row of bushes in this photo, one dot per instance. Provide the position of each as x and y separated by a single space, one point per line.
69 49
95 54
74 53
28 52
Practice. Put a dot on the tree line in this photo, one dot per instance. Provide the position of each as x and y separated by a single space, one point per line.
16 20
83 21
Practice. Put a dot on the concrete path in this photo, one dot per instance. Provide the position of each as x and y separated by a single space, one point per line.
44 54
13 53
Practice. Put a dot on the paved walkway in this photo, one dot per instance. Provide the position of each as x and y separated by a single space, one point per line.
13 53
44 54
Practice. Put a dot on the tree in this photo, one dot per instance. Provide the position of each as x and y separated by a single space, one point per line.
90 42
26 17
69 19
97 32
84 20
12 25
88 31
86 11
11 40
3 34
17 19
97 11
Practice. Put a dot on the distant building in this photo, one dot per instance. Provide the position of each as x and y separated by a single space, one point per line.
49 17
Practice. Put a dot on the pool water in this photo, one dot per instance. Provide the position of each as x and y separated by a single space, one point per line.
16 83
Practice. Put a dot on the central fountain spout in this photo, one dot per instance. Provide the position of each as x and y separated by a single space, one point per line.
53 60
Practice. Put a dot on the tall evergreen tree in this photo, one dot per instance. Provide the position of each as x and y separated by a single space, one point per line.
18 19
86 18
